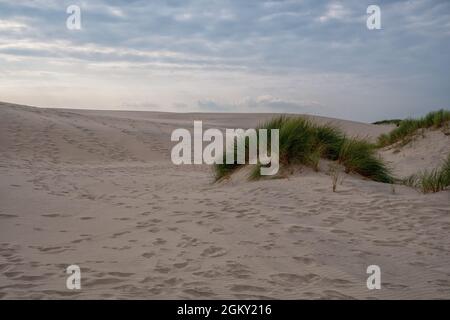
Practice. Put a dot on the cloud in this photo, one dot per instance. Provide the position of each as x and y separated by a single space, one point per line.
12 25
335 11
285 55
117 12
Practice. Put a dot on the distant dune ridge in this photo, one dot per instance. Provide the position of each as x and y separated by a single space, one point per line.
98 189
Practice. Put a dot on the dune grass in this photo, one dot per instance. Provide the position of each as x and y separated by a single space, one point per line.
303 143
433 180
389 121
360 156
408 127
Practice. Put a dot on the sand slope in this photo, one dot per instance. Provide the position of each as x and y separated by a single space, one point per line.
97 189
427 150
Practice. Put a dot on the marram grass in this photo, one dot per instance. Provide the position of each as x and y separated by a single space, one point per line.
360 156
433 180
303 143
408 127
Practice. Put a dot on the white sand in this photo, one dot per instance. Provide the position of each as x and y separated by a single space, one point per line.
97 189
426 151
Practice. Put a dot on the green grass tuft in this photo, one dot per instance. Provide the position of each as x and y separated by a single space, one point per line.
305 143
360 156
222 170
390 121
407 128
434 180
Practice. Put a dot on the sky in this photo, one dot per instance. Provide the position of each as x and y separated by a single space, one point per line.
296 56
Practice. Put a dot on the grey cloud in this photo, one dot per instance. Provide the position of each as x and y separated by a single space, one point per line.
264 103
260 39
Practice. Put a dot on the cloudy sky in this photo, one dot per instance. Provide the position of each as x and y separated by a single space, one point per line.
299 56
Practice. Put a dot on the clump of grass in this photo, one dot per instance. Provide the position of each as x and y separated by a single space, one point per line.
223 170
407 128
389 121
360 156
434 180
303 143
331 139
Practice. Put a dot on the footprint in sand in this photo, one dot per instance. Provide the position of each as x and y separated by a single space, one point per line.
214 252
162 269
337 282
243 288
199 292
181 264
208 274
293 280
51 215
159 241
5 215
304 260
148 255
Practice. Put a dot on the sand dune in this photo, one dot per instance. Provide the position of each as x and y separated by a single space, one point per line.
426 151
98 189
